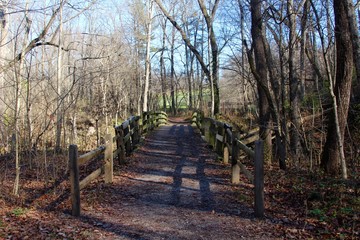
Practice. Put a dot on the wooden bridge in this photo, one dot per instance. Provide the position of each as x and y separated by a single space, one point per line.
172 175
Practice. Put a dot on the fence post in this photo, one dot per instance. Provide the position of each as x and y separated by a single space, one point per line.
153 120
198 119
206 129
137 133
128 142
226 140
120 144
132 137
226 155
212 133
259 179
74 180
220 132
108 159
194 118
144 123
235 169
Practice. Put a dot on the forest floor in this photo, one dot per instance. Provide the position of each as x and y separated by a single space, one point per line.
174 187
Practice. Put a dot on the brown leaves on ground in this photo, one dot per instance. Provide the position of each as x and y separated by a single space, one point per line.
299 204
308 205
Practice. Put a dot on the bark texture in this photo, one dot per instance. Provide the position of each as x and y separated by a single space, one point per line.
342 89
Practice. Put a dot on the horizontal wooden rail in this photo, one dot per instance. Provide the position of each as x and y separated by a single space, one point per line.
90 155
92 176
75 162
225 141
127 136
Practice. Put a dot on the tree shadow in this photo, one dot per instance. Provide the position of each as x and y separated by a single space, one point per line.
122 230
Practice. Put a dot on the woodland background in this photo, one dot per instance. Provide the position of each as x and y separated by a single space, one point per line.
71 70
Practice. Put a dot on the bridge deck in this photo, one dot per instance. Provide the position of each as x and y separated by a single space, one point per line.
172 188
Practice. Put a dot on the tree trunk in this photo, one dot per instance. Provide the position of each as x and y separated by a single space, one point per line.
354 29
3 52
172 72
59 82
303 40
262 76
334 149
18 84
189 75
214 73
162 67
295 145
147 60
214 49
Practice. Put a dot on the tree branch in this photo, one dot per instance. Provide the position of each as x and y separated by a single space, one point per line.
184 37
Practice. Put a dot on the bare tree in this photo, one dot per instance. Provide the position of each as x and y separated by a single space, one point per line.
147 60
340 91
213 72
261 74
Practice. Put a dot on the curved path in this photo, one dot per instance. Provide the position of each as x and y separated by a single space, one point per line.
172 188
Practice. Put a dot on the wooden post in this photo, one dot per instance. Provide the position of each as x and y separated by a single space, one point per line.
133 132
212 134
108 159
198 120
128 140
74 180
131 129
235 169
225 142
226 155
137 133
120 144
152 120
259 179
206 129
220 136
144 123
194 118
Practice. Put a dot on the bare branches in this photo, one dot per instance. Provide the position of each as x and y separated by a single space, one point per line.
184 37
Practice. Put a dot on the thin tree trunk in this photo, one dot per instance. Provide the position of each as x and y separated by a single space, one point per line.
172 72
147 60
28 118
189 75
295 145
261 74
162 67
18 83
214 73
303 40
214 65
59 82
354 28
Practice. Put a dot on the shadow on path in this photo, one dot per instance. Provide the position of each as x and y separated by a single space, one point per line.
175 157
172 188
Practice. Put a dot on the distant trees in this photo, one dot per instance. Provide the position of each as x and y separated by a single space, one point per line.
211 69
271 21
71 62
59 71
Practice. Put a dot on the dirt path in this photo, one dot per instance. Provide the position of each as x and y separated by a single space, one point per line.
172 188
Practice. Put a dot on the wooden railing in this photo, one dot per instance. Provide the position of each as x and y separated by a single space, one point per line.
76 161
153 119
225 142
127 136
